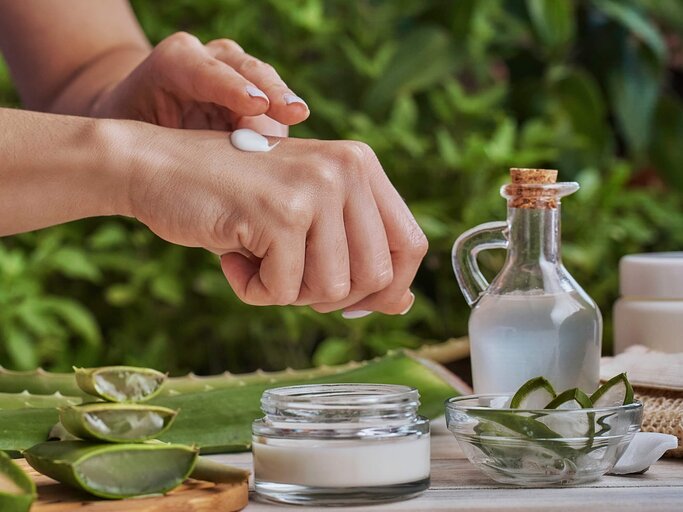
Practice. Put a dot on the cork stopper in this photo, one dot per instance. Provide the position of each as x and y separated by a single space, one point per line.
533 176
532 197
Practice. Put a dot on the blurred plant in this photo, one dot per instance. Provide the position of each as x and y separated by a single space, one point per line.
449 94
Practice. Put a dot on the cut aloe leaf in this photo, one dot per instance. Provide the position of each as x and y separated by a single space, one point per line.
533 394
571 399
571 424
114 471
513 425
616 391
116 423
120 383
213 471
17 490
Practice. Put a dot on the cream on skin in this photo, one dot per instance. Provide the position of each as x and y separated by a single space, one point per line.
248 140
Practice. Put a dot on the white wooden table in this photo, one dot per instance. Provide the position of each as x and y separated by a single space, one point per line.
458 485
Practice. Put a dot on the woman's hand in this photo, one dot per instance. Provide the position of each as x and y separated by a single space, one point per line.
310 223
186 84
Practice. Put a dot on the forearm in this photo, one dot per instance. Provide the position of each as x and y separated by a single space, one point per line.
63 54
60 168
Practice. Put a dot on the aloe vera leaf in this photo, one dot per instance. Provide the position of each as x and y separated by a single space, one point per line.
17 490
616 391
22 428
42 382
114 471
39 382
116 423
213 471
26 399
120 383
220 420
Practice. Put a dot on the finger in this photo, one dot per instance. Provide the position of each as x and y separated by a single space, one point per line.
264 125
327 274
285 106
275 280
408 246
369 256
185 67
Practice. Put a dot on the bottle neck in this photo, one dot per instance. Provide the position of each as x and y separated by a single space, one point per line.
534 236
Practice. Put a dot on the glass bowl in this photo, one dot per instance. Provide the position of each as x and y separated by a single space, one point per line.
541 447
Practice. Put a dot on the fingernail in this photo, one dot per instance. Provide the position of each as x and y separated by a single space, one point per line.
293 98
352 315
412 301
255 92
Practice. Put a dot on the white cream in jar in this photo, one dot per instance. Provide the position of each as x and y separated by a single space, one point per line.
336 444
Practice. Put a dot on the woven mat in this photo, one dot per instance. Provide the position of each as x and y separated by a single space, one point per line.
663 412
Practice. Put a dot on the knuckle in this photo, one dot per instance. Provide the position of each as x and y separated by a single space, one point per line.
250 64
418 244
180 39
326 177
335 292
226 45
284 297
375 281
293 210
352 156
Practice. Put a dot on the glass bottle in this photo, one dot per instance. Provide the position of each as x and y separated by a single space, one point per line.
533 319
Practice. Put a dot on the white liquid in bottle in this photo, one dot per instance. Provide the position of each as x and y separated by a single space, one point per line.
514 338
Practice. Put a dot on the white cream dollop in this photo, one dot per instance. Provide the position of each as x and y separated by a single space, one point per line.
245 139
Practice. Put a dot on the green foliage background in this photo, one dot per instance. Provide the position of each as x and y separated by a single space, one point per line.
450 94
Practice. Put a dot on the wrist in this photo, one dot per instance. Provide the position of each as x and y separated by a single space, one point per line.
125 154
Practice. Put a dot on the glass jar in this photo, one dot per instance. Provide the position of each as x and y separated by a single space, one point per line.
533 319
336 444
650 310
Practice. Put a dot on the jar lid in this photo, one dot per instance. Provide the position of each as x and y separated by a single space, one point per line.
657 275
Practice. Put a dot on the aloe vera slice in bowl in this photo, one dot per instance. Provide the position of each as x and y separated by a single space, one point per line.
571 424
120 383
116 423
114 471
571 399
616 391
17 490
533 394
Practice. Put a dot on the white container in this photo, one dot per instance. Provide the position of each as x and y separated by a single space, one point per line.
650 310
340 444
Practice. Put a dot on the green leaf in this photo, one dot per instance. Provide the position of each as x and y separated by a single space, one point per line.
77 317
333 351
108 236
17 490
74 263
168 288
634 85
425 57
20 348
553 22
667 143
631 17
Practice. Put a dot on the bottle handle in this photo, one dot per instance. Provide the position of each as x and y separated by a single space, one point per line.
491 235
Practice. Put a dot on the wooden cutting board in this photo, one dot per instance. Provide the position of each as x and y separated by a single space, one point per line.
192 496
